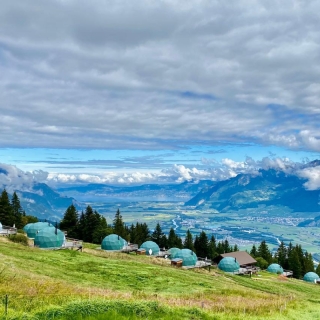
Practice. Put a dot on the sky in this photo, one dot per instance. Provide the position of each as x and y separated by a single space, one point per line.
148 91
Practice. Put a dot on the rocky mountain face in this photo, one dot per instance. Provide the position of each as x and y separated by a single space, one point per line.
43 202
267 187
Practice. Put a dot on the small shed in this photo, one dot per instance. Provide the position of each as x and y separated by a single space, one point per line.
243 258
141 251
177 262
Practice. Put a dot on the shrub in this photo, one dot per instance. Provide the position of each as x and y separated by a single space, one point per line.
19 238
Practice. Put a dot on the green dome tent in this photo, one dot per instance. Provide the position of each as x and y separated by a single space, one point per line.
27 226
229 264
275 268
113 242
189 258
34 228
49 238
311 277
152 249
173 252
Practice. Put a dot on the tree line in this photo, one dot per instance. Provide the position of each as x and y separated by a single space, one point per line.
92 227
290 257
11 212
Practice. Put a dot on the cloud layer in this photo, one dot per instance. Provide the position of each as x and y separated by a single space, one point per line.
13 178
159 75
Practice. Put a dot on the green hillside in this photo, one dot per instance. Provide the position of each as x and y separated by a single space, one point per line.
93 284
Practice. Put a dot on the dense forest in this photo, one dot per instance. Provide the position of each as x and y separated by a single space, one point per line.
90 226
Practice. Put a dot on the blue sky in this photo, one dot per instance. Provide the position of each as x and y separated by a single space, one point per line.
134 92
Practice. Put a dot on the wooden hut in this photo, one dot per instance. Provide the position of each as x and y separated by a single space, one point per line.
177 262
141 251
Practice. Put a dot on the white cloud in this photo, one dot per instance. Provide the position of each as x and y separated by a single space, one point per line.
313 177
13 178
117 75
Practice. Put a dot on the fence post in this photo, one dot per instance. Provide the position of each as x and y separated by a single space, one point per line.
6 305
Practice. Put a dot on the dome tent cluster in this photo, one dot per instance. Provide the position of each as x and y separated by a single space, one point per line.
45 235
114 242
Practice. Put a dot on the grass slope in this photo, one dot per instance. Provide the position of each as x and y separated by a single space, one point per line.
94 284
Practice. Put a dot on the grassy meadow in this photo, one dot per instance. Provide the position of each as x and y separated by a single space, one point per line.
93 284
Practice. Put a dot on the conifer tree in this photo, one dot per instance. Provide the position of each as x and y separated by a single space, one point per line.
318 270
119 226
212 248
101 229
70 222
235 248
308 263
264 252
226 246
188 241
254 252
6 213
174 241
294 263
16 210
157 235
201 245
220 248
281 254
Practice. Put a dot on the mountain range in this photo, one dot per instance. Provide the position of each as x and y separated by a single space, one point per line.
43 202
245 191
267 188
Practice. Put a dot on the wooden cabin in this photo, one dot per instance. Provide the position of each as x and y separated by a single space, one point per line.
243 258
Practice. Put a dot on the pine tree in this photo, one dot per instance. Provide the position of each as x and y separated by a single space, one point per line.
308 263
102 229
70 222
81 227
212 248
119 226
281 254
226 246
139 233
17 210
294 263
235 248
264 252
174 241
6 213
220 248
318 270
188 241
157 235
202 245
254 252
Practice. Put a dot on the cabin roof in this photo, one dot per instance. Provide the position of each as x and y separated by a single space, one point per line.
242 257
